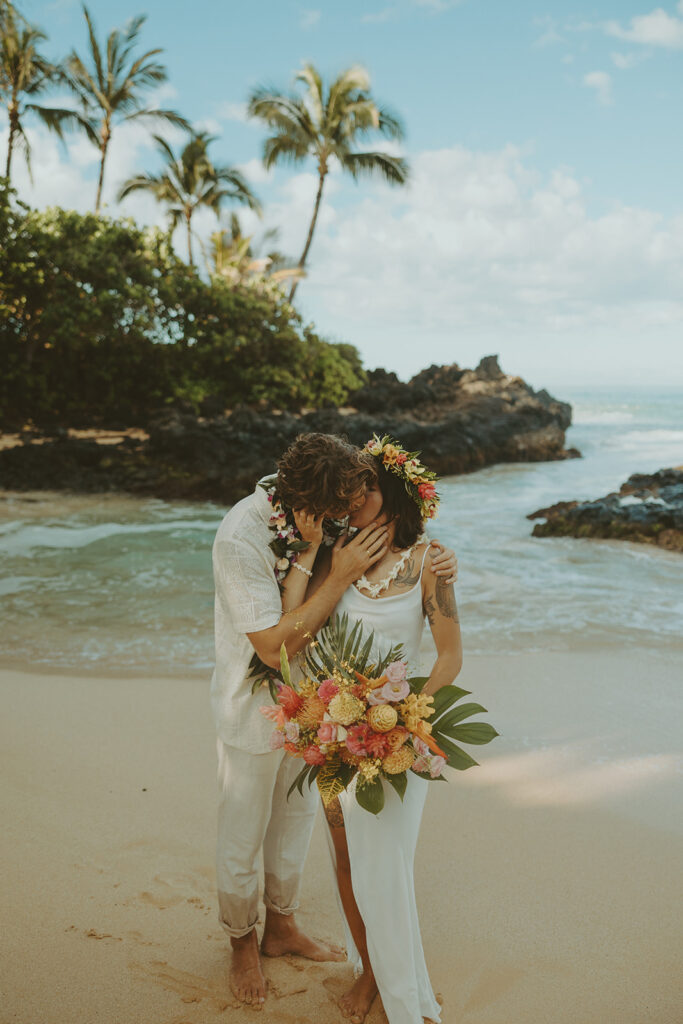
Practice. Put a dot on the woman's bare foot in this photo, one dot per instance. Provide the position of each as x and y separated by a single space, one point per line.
355 1004
246 977
281 935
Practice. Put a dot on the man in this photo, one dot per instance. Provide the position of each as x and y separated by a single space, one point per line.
322 474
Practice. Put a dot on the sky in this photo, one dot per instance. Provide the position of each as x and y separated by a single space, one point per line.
544 216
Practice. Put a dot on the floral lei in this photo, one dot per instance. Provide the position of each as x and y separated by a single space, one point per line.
420 482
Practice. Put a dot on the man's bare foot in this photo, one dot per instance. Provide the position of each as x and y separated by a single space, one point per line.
246 977
281 935
355 1004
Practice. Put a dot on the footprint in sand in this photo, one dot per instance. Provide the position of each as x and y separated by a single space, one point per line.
191 988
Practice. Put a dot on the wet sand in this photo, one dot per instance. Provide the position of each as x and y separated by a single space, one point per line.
547 879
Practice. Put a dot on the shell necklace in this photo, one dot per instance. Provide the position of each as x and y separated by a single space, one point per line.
375 589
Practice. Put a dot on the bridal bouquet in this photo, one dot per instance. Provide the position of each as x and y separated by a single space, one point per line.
350 717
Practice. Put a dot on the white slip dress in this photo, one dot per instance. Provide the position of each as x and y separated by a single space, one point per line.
382 847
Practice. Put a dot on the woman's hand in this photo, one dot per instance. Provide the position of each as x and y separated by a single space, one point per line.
309 526
352 560
443 561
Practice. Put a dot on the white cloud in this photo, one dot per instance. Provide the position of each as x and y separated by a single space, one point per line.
437 5
230 111
658 28
550 33
481 252
379 17
309 19
626 61
602 83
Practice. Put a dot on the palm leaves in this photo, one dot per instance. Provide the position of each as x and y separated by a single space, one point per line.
328 126
24 74
111 89
191 180
235 256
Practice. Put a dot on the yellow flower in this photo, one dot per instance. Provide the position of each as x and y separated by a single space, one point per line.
390 454
398 761
369 769
382 717
345 708
415 707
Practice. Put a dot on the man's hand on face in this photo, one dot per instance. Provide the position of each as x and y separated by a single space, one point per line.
309 526
351 560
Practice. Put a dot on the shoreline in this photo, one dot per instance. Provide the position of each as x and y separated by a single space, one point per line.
544 877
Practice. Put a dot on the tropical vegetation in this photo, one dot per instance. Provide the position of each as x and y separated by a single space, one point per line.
101 320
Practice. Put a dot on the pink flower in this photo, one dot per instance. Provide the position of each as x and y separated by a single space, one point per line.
395 691
377 744
401 458
420 746
327 690
314 755
420 764
376 697
355 739
397 671
292 731
273 714
426 489
438 763
327 732
289 700
277 740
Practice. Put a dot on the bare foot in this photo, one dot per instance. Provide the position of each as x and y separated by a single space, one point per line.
246 977
281 936
355 1004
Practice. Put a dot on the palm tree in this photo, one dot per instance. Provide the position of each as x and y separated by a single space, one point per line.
327 126
239 259
111 91
189 181
24 75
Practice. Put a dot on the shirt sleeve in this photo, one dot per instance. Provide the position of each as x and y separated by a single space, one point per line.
245 585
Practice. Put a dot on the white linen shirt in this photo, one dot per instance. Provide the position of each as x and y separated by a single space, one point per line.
247 600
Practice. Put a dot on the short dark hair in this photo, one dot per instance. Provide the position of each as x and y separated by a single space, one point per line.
399 506
322 473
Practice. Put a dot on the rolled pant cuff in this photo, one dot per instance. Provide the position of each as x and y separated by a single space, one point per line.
237 933
285 911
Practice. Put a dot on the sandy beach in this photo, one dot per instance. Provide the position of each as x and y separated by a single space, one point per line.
547 878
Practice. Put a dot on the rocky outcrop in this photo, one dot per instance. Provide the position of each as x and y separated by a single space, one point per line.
461 420
647 509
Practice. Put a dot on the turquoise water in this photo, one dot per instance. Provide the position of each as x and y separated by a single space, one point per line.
118 584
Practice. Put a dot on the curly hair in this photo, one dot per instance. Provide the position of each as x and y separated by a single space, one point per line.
398 505
322 473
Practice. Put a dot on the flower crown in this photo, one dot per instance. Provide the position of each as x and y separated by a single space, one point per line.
420 482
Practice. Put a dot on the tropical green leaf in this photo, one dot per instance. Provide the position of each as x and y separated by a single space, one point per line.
284 665
474 732
417 683
399 782
455 757
445 697
450 719
370 795
301 776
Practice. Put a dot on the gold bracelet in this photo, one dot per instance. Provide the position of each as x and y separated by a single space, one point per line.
302 568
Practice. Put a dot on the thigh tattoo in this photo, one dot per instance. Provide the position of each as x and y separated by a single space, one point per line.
334 814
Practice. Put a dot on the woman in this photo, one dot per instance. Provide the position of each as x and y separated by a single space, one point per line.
374 855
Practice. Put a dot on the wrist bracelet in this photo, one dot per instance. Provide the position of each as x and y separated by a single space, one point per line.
302 568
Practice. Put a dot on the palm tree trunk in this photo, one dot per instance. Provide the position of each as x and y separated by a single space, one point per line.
10 145
13 119
188 219
311 229
104 145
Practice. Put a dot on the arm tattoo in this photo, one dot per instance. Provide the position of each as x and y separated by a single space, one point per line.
334 814
430 610
445 598
407 577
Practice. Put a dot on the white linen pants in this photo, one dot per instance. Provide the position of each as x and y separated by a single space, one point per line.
255 815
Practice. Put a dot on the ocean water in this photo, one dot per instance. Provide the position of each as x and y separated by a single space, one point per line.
122 585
